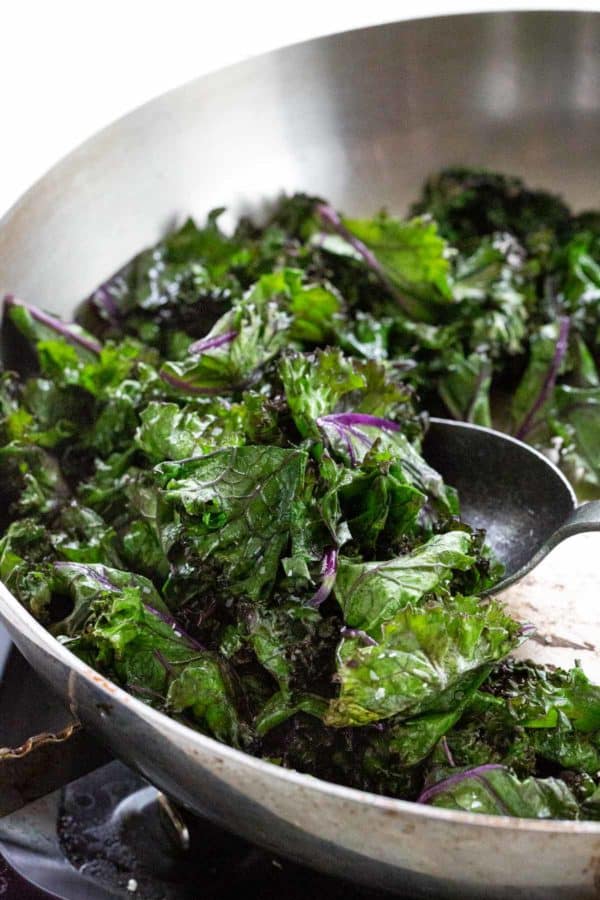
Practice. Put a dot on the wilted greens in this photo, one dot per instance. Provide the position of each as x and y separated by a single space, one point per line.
214 490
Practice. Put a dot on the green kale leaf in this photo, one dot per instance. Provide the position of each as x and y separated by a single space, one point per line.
494 790
234 507
422 657
167 431
371 593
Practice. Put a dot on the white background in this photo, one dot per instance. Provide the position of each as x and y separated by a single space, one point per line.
68 67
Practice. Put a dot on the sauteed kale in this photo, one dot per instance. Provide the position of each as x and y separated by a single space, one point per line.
214 491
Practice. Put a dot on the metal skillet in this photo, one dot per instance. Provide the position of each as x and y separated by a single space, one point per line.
360 118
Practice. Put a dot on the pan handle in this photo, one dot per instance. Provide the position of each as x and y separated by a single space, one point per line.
583 518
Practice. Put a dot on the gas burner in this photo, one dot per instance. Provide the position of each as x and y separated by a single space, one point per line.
109 834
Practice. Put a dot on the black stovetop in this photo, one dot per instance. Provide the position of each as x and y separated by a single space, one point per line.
109 834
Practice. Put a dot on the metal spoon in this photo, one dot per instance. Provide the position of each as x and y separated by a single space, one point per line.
525 504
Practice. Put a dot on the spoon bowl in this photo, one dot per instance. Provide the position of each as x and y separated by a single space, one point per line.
525 504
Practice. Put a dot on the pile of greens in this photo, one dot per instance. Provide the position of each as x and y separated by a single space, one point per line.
214 491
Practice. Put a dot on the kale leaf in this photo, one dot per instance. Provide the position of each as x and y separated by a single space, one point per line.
420 655
494 790
232 507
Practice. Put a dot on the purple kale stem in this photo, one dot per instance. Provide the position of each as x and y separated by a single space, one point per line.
174 624
366 639
206 343
348 443
164 662
328 571
49 321
353 418
562 344
447 752
441 786
344 424
359 436
527 629
181 384
104 298
90 572
329 217
344 432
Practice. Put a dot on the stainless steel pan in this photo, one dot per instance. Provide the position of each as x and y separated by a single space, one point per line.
362 118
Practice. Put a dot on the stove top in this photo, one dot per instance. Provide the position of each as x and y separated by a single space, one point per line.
109 834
